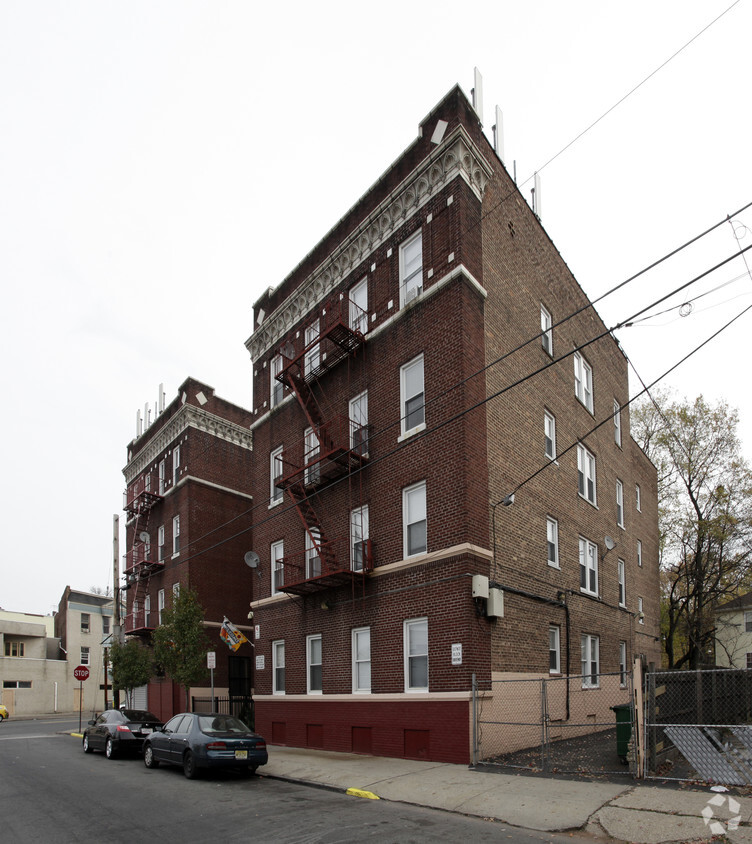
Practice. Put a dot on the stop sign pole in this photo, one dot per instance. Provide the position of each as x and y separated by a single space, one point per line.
81 673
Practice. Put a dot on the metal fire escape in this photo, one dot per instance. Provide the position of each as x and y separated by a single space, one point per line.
332 449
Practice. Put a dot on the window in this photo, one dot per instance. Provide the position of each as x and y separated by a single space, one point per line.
175 464
549 433
84 656
623 663
160 542
160 605
617 423
359 424
552 540
358 537
547 334
588 566
313 353
278 566
312 471
554 650
361 659
748 622
147 611
134 609
639 552
411 268
620 504
276 387
415 637
16 684
586 473
638 498
412 397
14 648
640 613
313 663
583 381
278 667
106 625
275 473
161 477
175 592
589 661
749 660
359 306
85 622
175 535
621 569
313 553
414 519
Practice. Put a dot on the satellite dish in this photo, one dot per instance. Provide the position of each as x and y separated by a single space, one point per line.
144 536
251 559
610 544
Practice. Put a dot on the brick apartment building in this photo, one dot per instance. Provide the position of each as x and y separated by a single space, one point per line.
396 404
188 507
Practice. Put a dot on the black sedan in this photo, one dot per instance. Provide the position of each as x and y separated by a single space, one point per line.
197 741
120 731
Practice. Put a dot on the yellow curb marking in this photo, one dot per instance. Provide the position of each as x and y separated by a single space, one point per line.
358 792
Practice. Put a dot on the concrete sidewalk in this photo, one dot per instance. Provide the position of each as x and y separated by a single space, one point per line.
633 812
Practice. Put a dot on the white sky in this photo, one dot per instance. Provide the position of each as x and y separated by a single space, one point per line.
163 162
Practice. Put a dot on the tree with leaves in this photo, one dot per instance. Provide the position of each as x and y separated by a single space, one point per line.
131 666
180 643
704 513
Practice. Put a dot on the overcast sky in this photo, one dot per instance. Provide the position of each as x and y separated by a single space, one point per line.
162 163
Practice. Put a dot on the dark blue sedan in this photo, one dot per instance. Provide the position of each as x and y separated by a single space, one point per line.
195 741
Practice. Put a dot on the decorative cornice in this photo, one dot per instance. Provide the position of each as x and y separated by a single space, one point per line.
457 157
189 416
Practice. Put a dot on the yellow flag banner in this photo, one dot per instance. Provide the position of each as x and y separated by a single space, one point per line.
230 635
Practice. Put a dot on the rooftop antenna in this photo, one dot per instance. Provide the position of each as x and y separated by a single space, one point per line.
498 134
536 195
139 424
477 94
161 398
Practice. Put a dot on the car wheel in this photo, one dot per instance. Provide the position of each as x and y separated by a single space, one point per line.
109 748
2 717
87 747
189 766
149 759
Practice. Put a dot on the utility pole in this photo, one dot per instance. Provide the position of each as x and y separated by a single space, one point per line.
116 596
106 687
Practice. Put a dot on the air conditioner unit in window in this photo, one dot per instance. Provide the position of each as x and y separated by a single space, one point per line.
412 293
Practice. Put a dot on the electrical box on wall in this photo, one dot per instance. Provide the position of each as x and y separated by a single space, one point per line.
480 586
495 603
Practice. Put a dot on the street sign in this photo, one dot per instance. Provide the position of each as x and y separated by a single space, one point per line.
211 659
81 672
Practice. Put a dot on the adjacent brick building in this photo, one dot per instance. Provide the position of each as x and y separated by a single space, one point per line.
409 375
188 507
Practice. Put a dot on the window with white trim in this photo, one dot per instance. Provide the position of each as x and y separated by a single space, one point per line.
588 566
16 684
412 397
638 498
106 619
617 423
547 334
549 434
622 573
552 541
586 474
160 542
583 381
359 424
361 660
278 566
359 306
414 522
175 464
160 605
358 537
85 656
276 387
639 553
175 535
554 650
748 622
415 638
620 504
312 471
175 592
15 649
275 473
640 613
313 354
85 622
162 469
590 661
147 611
622 663
278 667
411 268
314 665
313 553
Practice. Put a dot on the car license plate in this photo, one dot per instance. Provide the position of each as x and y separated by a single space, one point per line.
146 730
241 754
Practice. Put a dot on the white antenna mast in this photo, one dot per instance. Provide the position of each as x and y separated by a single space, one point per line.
498 134
477 93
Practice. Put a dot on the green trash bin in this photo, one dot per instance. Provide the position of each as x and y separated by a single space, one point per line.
623 729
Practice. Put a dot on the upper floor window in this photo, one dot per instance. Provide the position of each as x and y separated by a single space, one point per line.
359 306
638 497
312 471
622 663
617 422
748 622
414 519
313 353
160 542
162 468
361 659
411 268
583 381
554 650
552 540
176 535
275 473
549 433
359 424
160 605
621 570
276 387
547 334
85 622
640 613
358 537
412 396
639 552
620 504
586 474
106 625
84 656
278 667
415 637
314 664
175 464
14 648
588 566
313 553
278 566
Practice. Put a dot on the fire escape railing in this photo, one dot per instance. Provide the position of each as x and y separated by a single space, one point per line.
323 566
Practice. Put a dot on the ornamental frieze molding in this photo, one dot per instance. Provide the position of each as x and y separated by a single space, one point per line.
457 157
189 416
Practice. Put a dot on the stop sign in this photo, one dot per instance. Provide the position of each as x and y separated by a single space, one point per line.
81 672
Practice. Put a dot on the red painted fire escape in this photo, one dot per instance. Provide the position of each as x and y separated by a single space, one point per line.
333 448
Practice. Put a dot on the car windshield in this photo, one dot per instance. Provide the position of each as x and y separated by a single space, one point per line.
139 715
221 724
